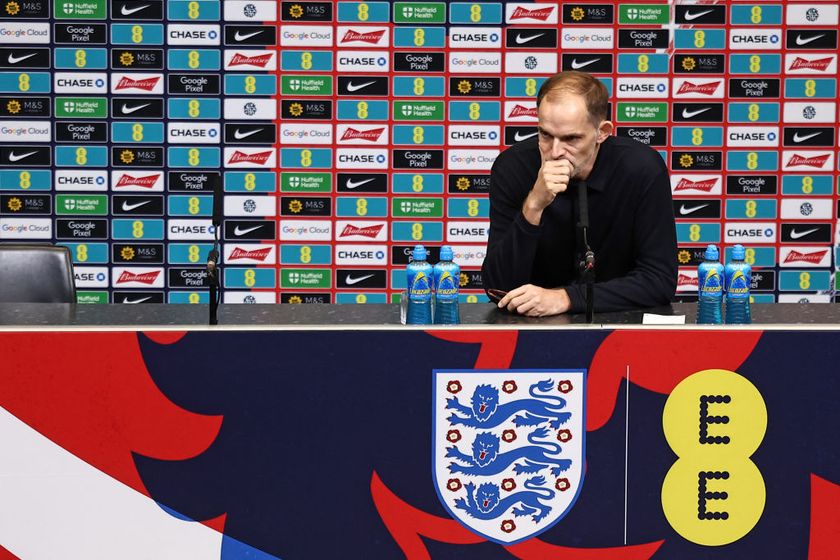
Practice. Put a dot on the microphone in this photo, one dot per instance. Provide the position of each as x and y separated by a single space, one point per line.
587 266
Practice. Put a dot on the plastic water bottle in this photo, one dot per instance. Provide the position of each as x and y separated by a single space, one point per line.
419 280
710 288
447 286
738 277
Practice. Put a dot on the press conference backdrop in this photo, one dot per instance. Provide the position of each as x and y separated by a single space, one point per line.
343 133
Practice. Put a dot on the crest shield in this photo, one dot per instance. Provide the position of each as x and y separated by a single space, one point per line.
508 448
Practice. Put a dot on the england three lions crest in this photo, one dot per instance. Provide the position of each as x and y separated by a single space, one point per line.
508 448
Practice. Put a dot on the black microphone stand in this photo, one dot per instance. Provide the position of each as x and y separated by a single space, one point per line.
587 265
213 280
213 258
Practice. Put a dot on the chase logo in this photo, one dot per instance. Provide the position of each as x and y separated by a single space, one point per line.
361 61
352 158
80 82
476 38
179 34
642 87
750 39
466 135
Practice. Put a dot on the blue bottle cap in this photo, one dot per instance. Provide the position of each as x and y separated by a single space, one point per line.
738 252
712 253
446 253
419 253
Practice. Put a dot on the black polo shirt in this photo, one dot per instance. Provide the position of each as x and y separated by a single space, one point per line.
631 228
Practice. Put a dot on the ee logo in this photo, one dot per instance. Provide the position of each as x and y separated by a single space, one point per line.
714 420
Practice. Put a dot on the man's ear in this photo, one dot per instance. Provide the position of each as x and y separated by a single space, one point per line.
604 130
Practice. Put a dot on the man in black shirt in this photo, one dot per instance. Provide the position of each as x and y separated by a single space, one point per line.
534 246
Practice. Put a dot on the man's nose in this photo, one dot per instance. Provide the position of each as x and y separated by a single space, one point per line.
558 150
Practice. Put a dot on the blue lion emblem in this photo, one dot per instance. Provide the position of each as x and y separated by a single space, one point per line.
486 412
486 460
486 503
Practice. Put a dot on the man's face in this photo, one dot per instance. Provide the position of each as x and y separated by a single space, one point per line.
566 132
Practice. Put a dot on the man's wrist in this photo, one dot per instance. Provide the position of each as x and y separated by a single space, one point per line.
532 209
564 303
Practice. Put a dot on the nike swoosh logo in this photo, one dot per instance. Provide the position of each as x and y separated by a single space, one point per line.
797 234
240 135
686 211
520 137
356 87
689 16
242 231
800 41
126 11
520 40
351 184
797 138
141 300
350 280
13 157
688 114
240 37
126 110
578 65
15 59
129 207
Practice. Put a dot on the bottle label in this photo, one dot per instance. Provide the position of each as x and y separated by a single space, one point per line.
420 287
447 288
711 284
739 287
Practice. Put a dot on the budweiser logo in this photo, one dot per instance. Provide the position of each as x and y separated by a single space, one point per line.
241 157
146 85
820 64
705 89
147 181
371 135
812 258
815 161
705 186
372 37
370 231
258 254
520 111
143 277
684 280
257 60
541 14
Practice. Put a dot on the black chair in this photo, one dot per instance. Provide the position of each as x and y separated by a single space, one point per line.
36 274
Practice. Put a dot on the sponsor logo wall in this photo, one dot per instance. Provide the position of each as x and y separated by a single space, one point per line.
343 133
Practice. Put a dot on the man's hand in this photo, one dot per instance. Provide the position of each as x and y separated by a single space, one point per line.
534 301
552 178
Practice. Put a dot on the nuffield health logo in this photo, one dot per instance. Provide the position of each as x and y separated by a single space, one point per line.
508 448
